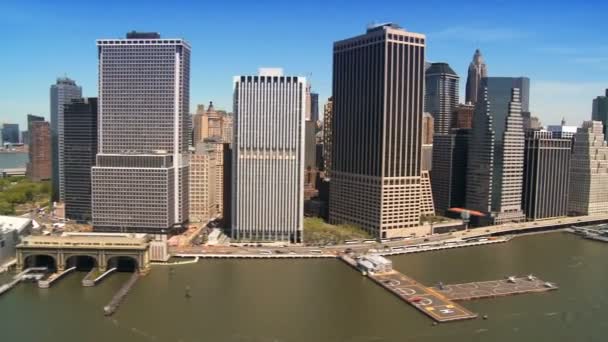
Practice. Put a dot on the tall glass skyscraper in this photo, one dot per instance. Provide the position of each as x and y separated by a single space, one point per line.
496 149
599 111
441 95
140 181
62 93
378 99
268 157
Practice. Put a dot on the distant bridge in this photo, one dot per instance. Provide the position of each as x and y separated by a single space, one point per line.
101 250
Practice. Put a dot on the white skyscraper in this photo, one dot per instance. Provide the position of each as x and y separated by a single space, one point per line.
140 181
268 157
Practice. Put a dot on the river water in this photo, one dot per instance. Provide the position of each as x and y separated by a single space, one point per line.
324 300
13 160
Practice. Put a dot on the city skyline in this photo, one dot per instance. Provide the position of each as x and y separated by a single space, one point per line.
564 77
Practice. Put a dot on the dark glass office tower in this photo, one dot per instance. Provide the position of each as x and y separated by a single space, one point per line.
599 111
546 174
378 99
496 149
449 174
441 95
79 151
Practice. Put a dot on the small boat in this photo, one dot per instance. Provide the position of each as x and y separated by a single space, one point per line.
549 285
511 279
531 277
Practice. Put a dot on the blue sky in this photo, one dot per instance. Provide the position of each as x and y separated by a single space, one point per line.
561 46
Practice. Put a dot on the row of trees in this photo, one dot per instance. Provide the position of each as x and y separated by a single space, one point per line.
19 190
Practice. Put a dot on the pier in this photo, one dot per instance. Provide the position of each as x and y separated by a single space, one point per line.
439 303
109 309
93 277
495 288
26 274
424 299
48 282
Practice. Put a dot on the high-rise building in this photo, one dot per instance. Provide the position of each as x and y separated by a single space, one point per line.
599 111
25 137
449 174
10 133
268 157
39 165
546 175
496 150
588 191
79 152
562 131
62 93
428 128
314 107
477 71
441 95
378 102
203 199
327 137
140 181
463 116
227 131
208 123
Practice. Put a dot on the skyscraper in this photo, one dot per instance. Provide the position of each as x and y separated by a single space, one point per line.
599 111
588 191
314 107
449 174
79 152
496 149
327 135
441 95
378 99
268 157
39 165
203 194
62 92
546 174
140 181
208 123
477 71
10 133
463 116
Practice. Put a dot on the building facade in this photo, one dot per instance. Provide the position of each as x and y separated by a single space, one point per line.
268 157
463 116
599 111
62 93
378 100
10 133
546 175
449 174
203 191
428 128
79 152
327 137
314 107
477 71
496 150
140 181
588 191
210 123
441 95
39 166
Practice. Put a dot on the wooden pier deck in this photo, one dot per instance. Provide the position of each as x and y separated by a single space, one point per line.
494 288
426 300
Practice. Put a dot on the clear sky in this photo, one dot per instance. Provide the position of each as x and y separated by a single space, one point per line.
562 46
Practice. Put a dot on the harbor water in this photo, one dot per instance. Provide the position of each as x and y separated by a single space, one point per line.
325 300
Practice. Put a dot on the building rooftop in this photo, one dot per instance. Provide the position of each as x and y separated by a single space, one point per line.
441 68
88 240
14 223
143 35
